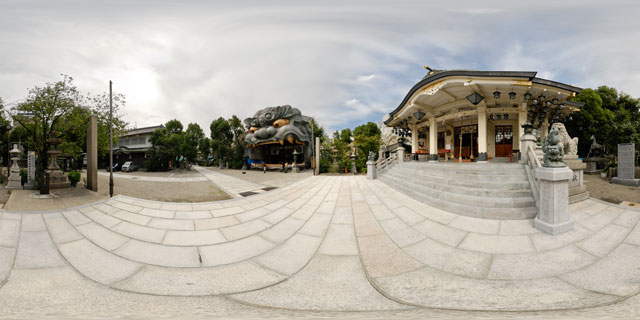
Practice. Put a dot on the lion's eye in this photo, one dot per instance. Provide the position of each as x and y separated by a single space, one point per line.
280 122
253 129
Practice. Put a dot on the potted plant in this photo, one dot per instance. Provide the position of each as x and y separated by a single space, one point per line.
74 177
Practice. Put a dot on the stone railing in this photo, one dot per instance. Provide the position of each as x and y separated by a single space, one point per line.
383 164
531 165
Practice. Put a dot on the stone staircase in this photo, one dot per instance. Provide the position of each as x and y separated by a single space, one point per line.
488 190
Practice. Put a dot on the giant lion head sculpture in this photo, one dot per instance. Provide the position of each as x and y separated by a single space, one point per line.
278 124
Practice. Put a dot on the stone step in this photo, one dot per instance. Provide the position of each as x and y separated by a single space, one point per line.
494 183
464 209
466 169
481 201
468 165
478 191
468 175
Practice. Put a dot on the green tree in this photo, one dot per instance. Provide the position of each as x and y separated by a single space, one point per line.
174 126
192 137
609 116
237 129
221 136
205 149
5 126
41 110
345 135
318 130
366 137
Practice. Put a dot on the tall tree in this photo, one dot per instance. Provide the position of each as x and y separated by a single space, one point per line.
192 137
236 128
367 139
42 109
345 135
221 136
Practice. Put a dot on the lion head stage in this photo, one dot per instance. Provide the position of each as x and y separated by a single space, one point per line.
279 125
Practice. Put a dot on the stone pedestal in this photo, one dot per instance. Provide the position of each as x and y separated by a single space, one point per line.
577 189
592 165
400 151
526 140
553 214
626 165
371 170
14 173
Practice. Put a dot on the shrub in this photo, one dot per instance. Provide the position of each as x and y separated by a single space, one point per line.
74 176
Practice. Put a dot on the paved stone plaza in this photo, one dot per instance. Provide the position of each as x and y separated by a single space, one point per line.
331 244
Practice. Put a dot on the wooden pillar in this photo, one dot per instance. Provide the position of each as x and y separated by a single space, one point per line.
414 142
482 134
92 154
433 140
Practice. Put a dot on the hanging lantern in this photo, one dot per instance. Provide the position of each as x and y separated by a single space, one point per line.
527 96
496 94
512 95
505 116
555 101
419 115
474 98
541 97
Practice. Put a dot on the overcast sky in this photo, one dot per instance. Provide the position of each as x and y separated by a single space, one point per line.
342 62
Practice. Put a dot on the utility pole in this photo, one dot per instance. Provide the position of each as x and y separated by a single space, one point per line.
110 140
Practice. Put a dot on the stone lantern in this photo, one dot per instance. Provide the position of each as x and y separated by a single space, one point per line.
57 180
353 162
14 172
295 160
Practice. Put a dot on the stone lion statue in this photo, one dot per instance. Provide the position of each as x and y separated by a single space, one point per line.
570 144
553 149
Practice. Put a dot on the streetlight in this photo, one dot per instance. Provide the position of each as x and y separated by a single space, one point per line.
110 140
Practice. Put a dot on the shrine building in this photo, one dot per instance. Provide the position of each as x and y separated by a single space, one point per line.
465 115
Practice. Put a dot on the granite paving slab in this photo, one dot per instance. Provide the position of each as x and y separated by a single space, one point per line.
327 283
96 263
496 244
62 231
226 279
37 250
617 274
234 251
540 264
101 236
6 263
9 232
160 255
450 259
429 287
292 255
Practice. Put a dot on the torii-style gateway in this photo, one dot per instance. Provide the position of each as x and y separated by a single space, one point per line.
477 115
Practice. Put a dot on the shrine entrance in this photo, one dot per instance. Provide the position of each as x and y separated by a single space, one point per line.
465 140
504 141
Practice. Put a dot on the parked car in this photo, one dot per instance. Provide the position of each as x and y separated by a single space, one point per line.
129 166
116 167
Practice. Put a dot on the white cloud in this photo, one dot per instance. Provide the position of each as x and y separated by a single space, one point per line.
366 78
343 65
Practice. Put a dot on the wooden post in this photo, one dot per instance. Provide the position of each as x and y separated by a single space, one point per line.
92 154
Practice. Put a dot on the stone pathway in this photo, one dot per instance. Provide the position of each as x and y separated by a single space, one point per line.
332 243
133 176
235 187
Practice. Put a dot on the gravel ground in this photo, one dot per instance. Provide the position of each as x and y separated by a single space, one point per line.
271 178
200 191
604 190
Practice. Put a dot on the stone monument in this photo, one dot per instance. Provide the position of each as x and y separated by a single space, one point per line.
31 170
626 165
577 189
57 180
553 213
14 172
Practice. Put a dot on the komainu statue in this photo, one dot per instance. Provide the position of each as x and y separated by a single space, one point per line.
553 149
275 127
570 144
